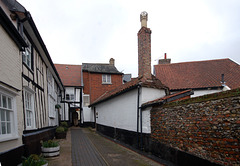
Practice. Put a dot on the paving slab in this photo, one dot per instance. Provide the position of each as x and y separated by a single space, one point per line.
83 151
85 147
65 158
115 154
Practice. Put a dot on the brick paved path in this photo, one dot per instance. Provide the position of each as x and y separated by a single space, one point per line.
83 151
91 149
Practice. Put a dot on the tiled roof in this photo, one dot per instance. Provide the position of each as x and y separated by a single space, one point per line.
169 98
199 74
100 68
134 83
69 74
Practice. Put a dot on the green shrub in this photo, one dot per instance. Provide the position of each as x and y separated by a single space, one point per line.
60 129
64 124
50 144
33 160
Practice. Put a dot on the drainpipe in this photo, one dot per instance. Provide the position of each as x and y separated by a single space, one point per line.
138 95
141 139
81 109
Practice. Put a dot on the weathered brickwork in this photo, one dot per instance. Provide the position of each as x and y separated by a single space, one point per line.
209 130
144 52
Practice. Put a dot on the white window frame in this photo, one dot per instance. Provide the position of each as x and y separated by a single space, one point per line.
106 79
86 104
71 97
12 121
27 54
52 110
29 109
52 95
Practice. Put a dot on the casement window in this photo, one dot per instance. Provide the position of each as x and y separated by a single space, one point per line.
27 54
52 103
70 97
86 100
52 95
106 79
8 129
29 110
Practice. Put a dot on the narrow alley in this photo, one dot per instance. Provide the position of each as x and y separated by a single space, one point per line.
85 147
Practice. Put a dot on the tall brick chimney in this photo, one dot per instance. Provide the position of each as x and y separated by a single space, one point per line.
144 48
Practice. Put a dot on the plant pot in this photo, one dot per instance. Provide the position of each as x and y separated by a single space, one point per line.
61 135
51 152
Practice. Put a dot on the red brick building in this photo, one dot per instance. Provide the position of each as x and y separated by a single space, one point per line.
100 78
84 84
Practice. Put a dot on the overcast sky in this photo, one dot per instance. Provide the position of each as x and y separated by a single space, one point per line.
93 31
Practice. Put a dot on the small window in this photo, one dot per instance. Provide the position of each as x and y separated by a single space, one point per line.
27 55
106 79
86 100
69 96
29 110
52 103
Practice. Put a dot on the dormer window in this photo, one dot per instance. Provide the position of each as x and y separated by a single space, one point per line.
106 79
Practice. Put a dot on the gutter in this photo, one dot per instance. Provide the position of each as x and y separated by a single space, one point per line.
11 30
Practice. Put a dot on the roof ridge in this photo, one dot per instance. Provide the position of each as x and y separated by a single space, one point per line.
67 64
97 63
196 61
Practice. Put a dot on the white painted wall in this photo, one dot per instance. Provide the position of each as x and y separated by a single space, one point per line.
121 111
204 92
88 114
149 94
10 73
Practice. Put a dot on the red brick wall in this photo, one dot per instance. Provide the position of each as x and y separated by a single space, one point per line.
86 83
208 129
93 84
144 52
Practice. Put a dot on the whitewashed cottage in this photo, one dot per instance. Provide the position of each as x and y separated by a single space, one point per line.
30 86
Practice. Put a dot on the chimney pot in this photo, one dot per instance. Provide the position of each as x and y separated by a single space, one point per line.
112 61
165 60
144 19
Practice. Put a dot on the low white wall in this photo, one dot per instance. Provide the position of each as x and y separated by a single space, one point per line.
88 114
